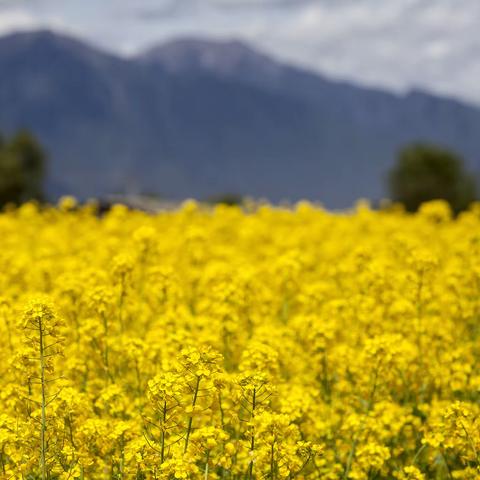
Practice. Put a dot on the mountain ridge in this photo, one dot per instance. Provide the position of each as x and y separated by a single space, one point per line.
198 118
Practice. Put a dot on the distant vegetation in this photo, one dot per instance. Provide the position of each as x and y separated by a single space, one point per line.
231 199
22 169
426 172
423 172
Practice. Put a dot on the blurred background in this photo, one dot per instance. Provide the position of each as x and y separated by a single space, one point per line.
326 100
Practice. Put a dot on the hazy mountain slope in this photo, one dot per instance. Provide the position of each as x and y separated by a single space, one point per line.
195 118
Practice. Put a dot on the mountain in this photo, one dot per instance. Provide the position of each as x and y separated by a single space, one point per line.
195 117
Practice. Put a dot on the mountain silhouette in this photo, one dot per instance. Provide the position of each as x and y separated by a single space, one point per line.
196 118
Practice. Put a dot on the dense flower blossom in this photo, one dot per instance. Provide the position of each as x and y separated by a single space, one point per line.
269 343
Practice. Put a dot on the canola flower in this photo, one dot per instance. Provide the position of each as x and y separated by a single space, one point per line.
223 344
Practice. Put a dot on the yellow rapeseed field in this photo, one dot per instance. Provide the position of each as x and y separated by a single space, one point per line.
222 344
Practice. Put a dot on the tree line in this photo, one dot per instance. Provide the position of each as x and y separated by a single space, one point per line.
422 172
22 169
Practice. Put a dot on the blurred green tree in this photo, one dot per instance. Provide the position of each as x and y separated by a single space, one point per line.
22 169
230 199
426 172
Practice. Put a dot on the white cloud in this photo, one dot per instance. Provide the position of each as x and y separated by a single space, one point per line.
391 43
16 20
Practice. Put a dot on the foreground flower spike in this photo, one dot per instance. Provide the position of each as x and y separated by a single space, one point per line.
221 344
41 327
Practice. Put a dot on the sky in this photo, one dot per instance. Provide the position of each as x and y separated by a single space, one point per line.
393 44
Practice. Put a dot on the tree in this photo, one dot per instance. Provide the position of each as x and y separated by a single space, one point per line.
230 199
22 169
426 172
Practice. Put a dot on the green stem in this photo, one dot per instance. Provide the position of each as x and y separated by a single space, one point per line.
470 442
419 452
190 420
43 426
1 459
206 466
449 473
164 419
272 462
325 380
351 455
252 440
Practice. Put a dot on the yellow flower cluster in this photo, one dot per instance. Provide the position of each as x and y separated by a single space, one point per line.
226 344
